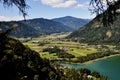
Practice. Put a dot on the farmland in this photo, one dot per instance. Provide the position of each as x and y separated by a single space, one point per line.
71 47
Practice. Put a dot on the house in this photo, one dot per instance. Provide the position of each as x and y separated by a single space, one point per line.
90 76
35 41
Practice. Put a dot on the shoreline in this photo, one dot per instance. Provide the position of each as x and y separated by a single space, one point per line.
91 61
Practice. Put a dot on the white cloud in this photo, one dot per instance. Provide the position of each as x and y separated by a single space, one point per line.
80 6
14 18
59 3
65 3
84 5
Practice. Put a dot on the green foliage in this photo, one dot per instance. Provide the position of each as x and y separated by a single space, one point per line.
82 74
18 62
95 56
85 71
96 74
60 53
52 49
42 43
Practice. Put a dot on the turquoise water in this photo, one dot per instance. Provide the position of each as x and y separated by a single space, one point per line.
108 67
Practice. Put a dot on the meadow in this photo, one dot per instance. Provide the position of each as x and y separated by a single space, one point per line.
75 48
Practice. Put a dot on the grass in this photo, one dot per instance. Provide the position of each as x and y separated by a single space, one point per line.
48 56
82 52
74 48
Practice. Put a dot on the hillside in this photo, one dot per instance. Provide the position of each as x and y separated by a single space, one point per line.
74 23
34 27
21 30
95 32
19 62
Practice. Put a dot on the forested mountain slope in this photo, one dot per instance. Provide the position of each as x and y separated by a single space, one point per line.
19 62
95 32
47 26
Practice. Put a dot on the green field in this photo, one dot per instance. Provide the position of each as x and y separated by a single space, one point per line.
75 48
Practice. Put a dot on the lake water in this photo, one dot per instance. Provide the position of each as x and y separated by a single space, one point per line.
108 67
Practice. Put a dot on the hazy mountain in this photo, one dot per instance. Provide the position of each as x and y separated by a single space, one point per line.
95 32
35 27
47 26
72 22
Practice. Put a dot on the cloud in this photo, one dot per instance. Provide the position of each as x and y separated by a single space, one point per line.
13 18
84 5
65 3
59 3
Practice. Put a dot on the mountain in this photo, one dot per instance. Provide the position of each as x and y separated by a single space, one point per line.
22 30
47 26
19 62
72 22
95 32
34 27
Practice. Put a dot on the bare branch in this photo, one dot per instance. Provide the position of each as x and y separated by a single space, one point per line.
21 4
108 8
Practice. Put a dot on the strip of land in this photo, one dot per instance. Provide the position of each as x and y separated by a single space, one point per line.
106 57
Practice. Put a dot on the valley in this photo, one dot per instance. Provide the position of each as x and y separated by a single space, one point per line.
60 40
75 48
103 64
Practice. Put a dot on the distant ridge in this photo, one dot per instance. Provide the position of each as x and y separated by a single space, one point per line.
72 22
34 27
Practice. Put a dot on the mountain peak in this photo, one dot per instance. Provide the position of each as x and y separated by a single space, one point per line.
68 17
72 22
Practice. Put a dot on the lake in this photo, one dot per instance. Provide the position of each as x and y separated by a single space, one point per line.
108 67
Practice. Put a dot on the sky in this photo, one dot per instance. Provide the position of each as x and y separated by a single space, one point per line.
48 9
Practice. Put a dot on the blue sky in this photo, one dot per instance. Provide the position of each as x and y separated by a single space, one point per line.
49 9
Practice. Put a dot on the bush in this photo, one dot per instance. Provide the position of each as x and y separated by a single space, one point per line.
60 53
